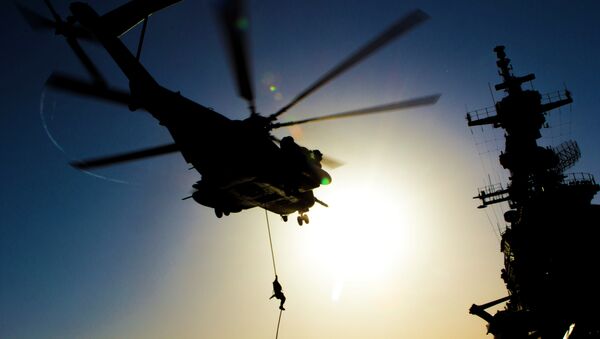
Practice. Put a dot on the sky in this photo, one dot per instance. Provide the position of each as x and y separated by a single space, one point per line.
402 251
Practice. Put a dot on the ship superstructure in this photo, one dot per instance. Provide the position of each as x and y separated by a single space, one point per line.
550 245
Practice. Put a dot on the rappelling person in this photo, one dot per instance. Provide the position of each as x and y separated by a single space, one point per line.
277 293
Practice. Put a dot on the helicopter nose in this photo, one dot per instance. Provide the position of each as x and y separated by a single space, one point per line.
325 177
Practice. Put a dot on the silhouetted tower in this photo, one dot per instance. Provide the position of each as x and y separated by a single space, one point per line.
549 245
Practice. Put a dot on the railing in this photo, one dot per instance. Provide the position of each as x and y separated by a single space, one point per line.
492 194
574 179
554 96
481 113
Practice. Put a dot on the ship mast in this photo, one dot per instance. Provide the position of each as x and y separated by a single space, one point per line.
547 246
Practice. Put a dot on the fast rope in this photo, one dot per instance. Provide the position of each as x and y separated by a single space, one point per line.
278 322
271 243
274 268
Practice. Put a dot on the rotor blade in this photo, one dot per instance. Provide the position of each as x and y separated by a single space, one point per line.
330 162
35 20
125 157
77 86
235 24
53 11
41 23
66 29
86 61
401 27
416 102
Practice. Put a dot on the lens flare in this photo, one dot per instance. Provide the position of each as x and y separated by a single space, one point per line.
364 236
242 23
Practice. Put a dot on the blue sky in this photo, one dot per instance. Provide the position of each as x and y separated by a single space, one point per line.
86 257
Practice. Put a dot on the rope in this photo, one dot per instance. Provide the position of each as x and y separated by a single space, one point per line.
274 268
278 322
271 244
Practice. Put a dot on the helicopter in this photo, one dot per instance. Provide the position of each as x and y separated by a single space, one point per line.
242 165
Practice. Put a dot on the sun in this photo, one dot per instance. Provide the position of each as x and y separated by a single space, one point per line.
364 235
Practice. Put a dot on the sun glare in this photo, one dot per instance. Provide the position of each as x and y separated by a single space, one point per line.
363 236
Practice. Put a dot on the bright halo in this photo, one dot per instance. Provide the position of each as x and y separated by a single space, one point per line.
363 236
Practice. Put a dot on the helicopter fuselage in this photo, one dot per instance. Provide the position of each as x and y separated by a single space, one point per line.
241 165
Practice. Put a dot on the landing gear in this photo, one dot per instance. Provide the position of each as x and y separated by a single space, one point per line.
302 218
219 212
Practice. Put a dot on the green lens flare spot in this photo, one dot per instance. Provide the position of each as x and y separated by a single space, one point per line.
325 181
242 23
272 88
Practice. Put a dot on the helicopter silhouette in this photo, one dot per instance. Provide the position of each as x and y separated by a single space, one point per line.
242 165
